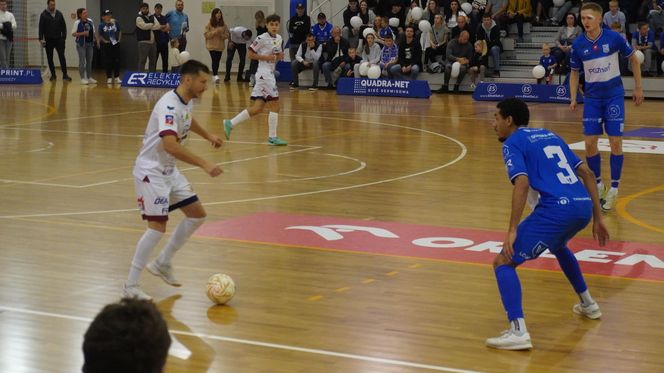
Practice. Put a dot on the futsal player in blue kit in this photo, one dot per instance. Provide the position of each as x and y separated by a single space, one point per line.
597 53
537 158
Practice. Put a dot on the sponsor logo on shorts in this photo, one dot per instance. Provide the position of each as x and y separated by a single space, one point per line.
161 201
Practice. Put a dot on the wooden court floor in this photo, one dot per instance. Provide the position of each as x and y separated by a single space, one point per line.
68 226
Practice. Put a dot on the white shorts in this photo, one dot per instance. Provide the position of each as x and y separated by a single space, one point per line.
158 195
265 87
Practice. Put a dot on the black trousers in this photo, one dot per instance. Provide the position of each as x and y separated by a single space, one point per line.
216 58
59 46
162 50
111 55
242 52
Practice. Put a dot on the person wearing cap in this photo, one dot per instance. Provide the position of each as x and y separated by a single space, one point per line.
108 40
322 31
161 36
147 50
52 35
298 28
178 21
240 35
388 55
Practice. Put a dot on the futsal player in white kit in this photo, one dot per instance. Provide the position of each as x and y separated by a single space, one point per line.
160 187
267 49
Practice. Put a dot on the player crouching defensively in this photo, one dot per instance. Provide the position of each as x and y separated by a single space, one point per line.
267 50
539 159
160 187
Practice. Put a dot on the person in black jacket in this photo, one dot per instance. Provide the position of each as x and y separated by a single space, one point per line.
298 28
409 63
489 31
333 51
352 10
52 34
478 63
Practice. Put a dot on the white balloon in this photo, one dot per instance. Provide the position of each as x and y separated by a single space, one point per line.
368 31
364 68
374 72
424 25
394 22
558 3
456 67
640 56
356 21
539 71
184 56
416 13
467 8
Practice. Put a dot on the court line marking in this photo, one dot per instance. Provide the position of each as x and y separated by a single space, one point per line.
277 346
621 208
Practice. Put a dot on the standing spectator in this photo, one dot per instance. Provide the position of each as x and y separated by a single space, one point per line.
7 28
261 28
566 36
161 36
436 43
52 34
108 40
518 11
371 53
643 40
298 28
322 31
333 53
478 64
216 34
389 55
352 10
147 50
174 58
178 21
84 32
410 57
490 33
238 42
615 15
307 57
459 50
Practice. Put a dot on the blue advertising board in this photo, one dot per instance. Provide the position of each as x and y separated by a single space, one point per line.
527 92
20 76
152 80
383 87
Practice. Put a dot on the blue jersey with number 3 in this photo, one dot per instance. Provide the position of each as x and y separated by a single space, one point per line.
548 163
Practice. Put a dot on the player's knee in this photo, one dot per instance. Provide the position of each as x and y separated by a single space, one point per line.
500 260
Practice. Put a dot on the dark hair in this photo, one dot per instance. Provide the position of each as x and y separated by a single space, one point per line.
213 18
515 108
487 15
309 35
158 5
246 34
570 14
144 5
129 336
641 24
193 67
79 11
273 18
47 1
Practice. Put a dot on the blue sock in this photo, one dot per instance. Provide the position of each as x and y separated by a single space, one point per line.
510 291
570 267
595 164
616 169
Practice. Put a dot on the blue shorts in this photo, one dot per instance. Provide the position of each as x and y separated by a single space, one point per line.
547 229
610 112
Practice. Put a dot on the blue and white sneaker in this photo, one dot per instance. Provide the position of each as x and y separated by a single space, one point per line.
276 141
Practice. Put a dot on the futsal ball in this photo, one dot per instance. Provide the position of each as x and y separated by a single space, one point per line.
640 56
368 31
220 288
456 67
184 56
373 72
416 13
356 21
364 68
558 3
539 72
424 25
467 8
394 22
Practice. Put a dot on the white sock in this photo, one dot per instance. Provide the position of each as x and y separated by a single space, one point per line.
144 247
182 233
586 299
241 117
272 122
518 326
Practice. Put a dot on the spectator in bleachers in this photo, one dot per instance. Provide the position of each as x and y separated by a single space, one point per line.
566 36
298 28
322 30
561 13
397 11
479 63
548 61
109 36
490 33
388 55
178 21
130 336
216 33
147 50
660 54
479 7
459 50
453 14
261 28
622 60
7 27
352 10
431 11
383 28
366 14
496 8
307 57
410 57
371 53
84 32
240 35
518 11
346 66
656 16
615 15
462 25
436 42
409 15
541 9
333 52
644 40
161 36
52 35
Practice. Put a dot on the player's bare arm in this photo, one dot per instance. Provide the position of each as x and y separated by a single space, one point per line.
637 93
600 233
215 140
573 88
183 154
519 197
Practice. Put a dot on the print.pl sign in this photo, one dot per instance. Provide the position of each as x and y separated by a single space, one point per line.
20 76
619 259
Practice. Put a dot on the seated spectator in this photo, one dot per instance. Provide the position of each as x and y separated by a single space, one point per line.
490 33
352 10
644 40
436 42
622 60
566 36
561 13
174 56
307 57
388 55
410 21
322 31
346 67
333 53
453 14
371 53
410 57
660 55
656 16
462 25
496 8
541 8
548 62
397 11
298 28
130 337
458 50
431 11
517 12
383 30
478 64
479 7
366 14
615 15
240 36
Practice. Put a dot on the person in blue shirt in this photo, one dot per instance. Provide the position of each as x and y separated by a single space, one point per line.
322 31
109 36
597 53
643 39
389 55
178 21
548 61
538 159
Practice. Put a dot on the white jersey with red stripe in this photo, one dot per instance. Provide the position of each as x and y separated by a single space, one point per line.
170 116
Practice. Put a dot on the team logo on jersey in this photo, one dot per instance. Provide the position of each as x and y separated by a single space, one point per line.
169 120
605 48
170 107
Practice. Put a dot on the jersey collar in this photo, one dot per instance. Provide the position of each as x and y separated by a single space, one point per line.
601 32
179 97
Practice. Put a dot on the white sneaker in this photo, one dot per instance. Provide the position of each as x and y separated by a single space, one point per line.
590 311
84 81
216 79
510 341
165 272
109 81
92 81
134 291
610 199
117 80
